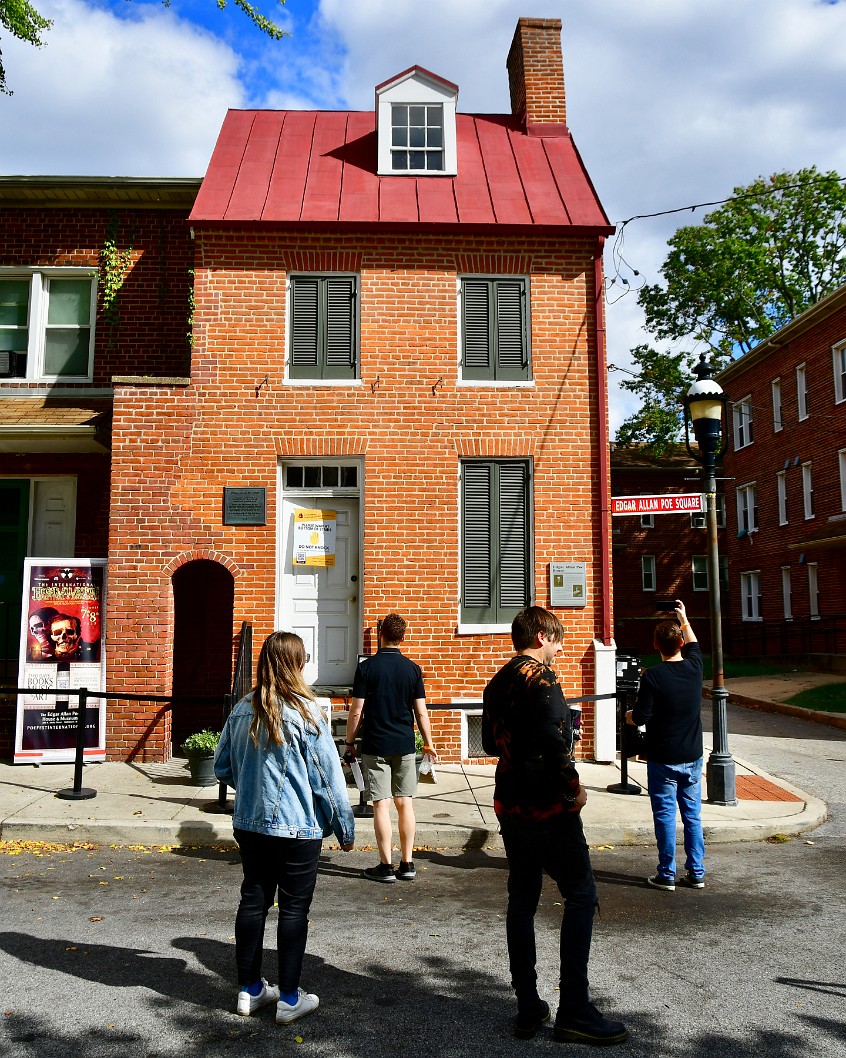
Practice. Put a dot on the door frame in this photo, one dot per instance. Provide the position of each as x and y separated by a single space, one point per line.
311 497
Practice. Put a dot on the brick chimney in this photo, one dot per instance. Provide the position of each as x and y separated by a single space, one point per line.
536 76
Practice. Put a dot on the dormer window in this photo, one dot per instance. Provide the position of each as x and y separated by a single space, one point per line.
415 125
417 137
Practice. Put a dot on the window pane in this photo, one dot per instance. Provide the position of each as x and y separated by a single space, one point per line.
434 137
330 477
399 114
294 477
399 136
349 477
417 137
399 160
435 160
417 115
70 302
14 302
435 115
14 340
311 477
66 352
416 160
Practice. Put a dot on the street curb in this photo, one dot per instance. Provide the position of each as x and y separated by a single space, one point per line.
766 705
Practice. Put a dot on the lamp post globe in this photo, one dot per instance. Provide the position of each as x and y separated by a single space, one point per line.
704 406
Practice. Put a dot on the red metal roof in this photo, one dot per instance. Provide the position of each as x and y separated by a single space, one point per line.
319 168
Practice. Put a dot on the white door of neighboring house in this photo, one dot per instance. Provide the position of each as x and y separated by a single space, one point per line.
53 524
321 603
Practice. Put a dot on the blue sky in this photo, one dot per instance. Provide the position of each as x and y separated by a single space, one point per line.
671 102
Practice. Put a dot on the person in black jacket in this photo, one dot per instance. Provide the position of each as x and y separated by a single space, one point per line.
537 800
669 703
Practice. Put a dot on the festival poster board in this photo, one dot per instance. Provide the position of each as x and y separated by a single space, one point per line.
62 646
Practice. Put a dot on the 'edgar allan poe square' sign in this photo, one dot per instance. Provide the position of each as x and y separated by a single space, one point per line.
678 503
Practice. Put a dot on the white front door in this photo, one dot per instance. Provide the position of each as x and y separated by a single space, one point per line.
53 517
322 603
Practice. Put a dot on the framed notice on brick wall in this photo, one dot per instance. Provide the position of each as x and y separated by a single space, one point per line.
244 506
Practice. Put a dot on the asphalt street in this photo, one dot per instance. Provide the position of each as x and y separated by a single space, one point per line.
129 952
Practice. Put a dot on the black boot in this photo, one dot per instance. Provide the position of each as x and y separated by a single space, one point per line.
588 1026
529 1019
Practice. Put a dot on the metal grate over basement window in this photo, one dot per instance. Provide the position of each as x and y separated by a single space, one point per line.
474 735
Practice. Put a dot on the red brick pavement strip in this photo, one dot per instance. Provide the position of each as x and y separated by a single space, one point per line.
754 788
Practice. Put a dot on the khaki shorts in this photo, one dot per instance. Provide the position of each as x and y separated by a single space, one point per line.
390 776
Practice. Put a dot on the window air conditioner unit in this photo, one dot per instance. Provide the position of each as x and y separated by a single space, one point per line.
8 364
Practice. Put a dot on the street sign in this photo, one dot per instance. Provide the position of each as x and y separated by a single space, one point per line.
677 503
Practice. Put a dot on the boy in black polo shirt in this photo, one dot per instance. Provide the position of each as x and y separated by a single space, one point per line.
387 696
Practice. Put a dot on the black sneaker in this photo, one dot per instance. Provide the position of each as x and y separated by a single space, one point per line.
658 881
693 881
527 1022
383 873
588 1027
406 872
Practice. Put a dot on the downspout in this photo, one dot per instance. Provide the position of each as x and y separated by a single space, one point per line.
603 443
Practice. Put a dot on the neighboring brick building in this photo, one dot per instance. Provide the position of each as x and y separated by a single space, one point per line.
786 466
71 242
659 556
398 375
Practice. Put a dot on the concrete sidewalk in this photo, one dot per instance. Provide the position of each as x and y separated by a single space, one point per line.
154 804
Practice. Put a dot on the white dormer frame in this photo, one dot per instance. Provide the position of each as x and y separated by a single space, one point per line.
416 86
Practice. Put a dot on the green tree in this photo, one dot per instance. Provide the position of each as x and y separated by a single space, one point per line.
755 263
21 19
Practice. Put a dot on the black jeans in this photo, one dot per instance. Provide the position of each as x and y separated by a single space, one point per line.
559 848
286 864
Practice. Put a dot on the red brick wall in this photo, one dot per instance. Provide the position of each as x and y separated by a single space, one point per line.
149 335
175 449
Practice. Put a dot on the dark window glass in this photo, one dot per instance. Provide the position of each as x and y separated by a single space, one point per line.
294 477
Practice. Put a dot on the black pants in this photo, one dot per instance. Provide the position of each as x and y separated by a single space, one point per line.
560 849
286 864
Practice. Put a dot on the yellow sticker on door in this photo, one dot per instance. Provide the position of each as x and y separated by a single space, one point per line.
314 537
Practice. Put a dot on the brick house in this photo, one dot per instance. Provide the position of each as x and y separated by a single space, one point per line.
786 494
66 243
660 556
396 401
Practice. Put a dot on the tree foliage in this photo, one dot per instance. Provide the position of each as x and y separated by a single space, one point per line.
755 263
21 19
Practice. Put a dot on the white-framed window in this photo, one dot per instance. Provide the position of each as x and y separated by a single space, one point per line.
647 572
839 364
323 327
841 461
742 417
47 323
750 596
786 593
647 521
699 520
747 509
808 490
778 423
699 570
802 391
494 314
813 591
415 125
781 485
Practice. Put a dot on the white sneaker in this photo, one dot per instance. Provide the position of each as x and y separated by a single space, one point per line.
305 1004
248 1004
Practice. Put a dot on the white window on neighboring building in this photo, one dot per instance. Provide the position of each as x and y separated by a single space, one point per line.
802 391
699 568
742 417
781 482
750 596
839 360
841 459
786 593
647 572
747 509
647 521
699 520
813 591
808 490
778 423
47 324
415 125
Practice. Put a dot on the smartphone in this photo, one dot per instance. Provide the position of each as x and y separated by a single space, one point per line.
665 605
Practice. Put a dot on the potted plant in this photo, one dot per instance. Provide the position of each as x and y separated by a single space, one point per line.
199 749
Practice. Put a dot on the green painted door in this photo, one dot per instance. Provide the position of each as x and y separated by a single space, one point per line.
14 522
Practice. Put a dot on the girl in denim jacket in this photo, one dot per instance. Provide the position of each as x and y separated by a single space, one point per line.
278 755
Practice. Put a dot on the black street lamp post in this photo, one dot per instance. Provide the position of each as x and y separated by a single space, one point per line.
705 409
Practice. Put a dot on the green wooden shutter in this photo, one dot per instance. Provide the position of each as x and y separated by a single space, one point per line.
476 329
495 541
512 360
304 323
340 327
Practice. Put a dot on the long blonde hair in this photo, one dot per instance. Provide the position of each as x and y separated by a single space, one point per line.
279 681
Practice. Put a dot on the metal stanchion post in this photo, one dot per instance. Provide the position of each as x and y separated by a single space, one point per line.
78 791
628 676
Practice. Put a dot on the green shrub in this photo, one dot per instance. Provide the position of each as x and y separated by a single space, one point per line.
202 742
